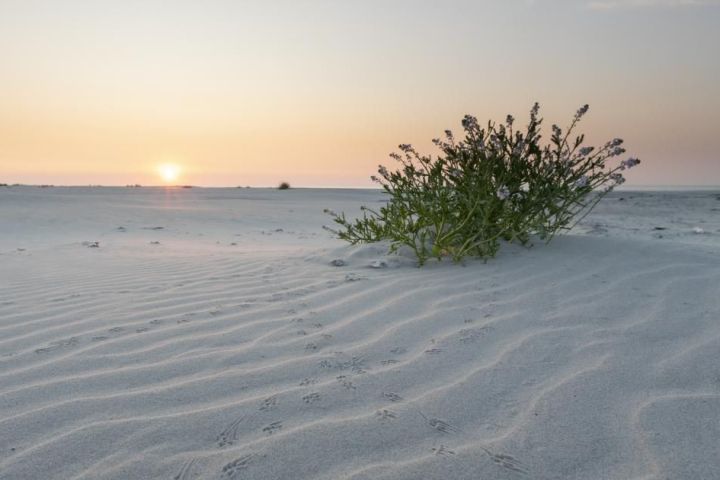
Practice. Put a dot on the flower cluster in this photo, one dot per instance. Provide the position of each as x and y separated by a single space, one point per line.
496 184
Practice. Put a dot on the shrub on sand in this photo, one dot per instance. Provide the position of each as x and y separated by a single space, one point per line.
284 186
497 183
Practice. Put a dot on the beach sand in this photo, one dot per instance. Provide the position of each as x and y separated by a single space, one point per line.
207 335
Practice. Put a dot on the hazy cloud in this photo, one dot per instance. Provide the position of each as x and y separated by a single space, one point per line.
615 4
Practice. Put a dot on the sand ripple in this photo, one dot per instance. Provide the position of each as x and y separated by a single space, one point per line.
589 358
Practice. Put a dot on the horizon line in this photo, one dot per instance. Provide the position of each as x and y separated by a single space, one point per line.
626 187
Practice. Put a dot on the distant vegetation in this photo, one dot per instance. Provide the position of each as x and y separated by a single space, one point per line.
497 183
284 186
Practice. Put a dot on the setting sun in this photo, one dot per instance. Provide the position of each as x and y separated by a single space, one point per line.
169 172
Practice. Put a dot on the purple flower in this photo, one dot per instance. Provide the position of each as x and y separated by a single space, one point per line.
534 111
581 182
503 193
630 163
469 122
617 178
582 111
616 142
509 120
586 151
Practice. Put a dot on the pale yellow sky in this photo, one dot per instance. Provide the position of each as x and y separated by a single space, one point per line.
319 92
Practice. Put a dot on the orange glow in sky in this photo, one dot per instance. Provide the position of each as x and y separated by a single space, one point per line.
318 93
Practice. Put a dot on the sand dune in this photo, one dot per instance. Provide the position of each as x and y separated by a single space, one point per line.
233 349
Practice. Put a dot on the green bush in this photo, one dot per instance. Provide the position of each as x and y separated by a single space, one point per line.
283 186
496 184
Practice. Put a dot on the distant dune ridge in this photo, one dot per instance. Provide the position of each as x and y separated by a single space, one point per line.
223 334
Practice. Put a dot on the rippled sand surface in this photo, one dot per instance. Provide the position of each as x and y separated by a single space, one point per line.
206 335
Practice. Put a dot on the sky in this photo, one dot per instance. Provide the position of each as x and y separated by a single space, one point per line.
319 92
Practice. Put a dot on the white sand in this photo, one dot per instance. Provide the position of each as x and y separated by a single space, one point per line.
233 350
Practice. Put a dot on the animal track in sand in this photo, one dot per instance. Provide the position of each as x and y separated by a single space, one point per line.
440 425
506 461
385 415
141 329
393 397
311 397
230 434
273 427
390 361
470 335
353 277
398 350
185 318
52 346
341 362
345 382
442 450
307 381
99 338
236 466
186 470
116 330
433 351
268 404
